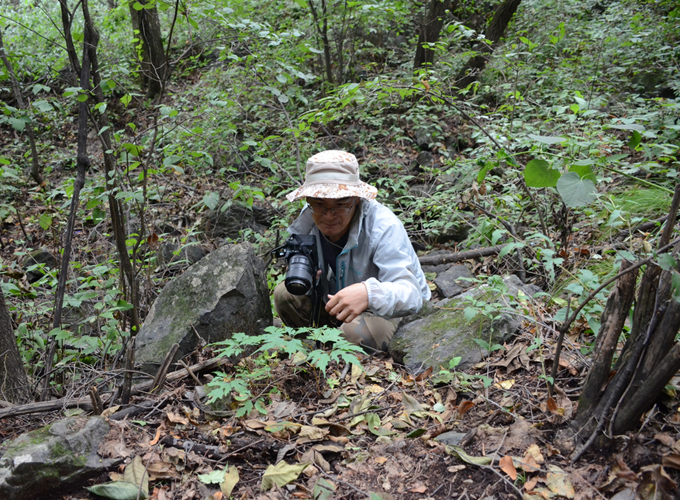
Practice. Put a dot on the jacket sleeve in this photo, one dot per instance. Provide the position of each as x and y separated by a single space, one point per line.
397 291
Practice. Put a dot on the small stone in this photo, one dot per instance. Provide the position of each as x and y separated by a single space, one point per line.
425 159
40 256
451 438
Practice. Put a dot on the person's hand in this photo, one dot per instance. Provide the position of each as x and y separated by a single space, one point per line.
348 303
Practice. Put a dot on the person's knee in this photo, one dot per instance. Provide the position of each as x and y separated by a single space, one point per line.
292 309
357 332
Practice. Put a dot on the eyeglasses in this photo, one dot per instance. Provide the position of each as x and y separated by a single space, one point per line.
319 210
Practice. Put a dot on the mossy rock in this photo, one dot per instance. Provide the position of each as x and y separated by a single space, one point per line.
441 332
46 459
223 293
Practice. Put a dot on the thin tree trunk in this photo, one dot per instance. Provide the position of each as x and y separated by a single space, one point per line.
83 165
154 64
14 386
613 317
115 207
322 30
501 18
429 33
35 165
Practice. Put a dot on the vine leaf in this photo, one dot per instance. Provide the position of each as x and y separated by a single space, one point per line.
538 174
576 192
547 139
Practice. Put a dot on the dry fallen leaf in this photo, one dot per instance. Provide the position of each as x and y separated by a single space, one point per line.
418 488
672 460
464 407
531 483
665 439
154 441
655 484
176 418
162 470
507 384
558 482
508 467
535 452
456 468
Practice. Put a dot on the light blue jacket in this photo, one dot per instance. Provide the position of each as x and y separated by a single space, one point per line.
379 254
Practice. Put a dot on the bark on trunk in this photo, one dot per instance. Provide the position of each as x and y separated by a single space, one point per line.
501 18
321 25
147 28
83 165
14 386
429 33
613 318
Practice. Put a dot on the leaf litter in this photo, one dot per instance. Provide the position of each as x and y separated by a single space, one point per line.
380 433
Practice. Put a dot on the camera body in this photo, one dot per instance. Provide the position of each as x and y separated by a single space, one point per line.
302 256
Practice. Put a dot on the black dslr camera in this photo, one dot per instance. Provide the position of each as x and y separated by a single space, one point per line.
300 252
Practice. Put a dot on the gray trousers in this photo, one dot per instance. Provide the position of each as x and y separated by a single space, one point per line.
367 329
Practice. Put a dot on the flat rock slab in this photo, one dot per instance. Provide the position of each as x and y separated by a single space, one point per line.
49 458
440 332
223 293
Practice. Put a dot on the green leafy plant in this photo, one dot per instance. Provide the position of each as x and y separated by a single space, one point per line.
274 344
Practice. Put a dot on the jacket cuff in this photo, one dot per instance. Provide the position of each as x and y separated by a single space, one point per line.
373 289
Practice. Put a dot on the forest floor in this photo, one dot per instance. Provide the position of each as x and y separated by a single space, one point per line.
373 434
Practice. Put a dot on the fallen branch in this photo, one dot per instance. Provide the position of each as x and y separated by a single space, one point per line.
435 260
645 226
86 403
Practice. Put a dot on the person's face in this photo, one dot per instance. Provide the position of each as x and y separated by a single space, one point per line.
333 217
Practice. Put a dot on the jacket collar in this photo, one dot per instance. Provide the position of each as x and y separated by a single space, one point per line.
304 224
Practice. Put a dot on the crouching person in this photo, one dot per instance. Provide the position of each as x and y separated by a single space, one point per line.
369 275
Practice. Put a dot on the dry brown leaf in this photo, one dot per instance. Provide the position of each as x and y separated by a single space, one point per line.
464 407
176 418
564 403
255 424
655 484
418 488
553 408
423 376
528 464
162 470
531 483
558 482
535 452
507 384
508 467
154 441
312 433
665 439
672 460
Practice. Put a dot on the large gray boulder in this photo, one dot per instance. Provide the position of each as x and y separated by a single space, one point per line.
52 457
440 332
224 293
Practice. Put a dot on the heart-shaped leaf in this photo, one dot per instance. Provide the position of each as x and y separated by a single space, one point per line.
576 192
538 174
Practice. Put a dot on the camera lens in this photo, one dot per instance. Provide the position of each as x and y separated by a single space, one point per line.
299 277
